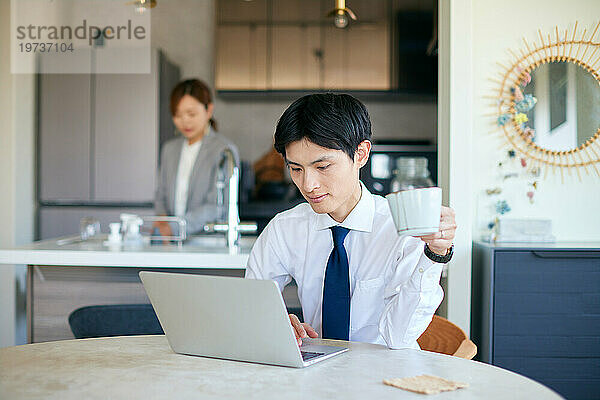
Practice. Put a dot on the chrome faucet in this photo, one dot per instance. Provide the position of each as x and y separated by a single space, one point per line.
231 226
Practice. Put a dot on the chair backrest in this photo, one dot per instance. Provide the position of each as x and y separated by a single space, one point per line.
442 336
122 320
114 320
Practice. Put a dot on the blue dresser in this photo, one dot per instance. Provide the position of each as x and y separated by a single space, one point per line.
535 310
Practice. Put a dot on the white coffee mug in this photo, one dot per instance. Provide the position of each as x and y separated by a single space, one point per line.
416 212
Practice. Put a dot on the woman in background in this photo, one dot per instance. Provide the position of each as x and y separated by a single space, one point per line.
188 163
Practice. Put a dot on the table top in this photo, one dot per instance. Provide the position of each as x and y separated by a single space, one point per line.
198 252
144 367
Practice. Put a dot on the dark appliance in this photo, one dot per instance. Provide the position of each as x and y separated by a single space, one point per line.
417 70
377 174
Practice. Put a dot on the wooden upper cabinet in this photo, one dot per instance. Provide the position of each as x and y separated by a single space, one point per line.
295 60
299 48
241 57
298 11
240 11
335 62
366 10
368 57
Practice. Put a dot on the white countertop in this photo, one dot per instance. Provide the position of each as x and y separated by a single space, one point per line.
539 246
144 367
199 252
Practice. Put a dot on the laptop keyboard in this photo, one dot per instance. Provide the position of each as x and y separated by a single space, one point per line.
309 355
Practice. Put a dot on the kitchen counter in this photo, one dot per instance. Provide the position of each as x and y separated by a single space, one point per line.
64 277
197 252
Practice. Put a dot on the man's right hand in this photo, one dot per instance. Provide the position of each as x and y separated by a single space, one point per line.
302 329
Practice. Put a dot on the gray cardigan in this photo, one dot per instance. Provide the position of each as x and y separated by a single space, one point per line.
201 205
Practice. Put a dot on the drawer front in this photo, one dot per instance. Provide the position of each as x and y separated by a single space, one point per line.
547 325
522 272
530 345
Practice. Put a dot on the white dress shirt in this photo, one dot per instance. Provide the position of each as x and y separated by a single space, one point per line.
189 153
394 287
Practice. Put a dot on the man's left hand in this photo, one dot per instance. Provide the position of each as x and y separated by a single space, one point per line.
441 241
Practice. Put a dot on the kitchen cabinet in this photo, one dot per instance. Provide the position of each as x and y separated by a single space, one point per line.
296 62
535 311
236 11
292 45
298 11
57 291
357 58
241 57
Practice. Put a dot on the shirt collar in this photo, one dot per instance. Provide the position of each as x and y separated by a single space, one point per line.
359 219
192 147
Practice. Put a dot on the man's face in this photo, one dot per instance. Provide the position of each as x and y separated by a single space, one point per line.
327 178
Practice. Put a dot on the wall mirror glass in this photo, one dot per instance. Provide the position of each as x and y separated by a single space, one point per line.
567 111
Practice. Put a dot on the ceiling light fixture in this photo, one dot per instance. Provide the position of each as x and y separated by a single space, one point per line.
142 5
340 14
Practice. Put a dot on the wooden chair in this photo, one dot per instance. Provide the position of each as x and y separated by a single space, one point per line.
442 336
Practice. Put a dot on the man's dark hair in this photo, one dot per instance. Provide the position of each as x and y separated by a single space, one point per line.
333 121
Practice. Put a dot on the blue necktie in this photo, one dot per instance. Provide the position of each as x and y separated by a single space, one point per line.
336 289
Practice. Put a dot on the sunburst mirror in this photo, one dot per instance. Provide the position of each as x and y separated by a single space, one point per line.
548 102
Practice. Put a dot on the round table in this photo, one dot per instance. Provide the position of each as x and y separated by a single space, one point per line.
145 367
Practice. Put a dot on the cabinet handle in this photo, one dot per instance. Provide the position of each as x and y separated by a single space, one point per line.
566 254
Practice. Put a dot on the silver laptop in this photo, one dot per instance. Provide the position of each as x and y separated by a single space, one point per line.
231 318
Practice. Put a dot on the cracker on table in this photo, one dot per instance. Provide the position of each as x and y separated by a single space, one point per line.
425 384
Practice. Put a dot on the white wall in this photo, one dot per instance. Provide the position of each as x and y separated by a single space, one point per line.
184 29
572 206
17 164
7 165
454 148
24 118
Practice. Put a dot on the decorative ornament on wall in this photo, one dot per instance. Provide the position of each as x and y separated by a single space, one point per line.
516 180
548 103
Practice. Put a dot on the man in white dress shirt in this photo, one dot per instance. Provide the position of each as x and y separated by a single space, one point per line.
357 279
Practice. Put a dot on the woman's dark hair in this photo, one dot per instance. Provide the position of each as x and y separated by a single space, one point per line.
195 88
334 121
